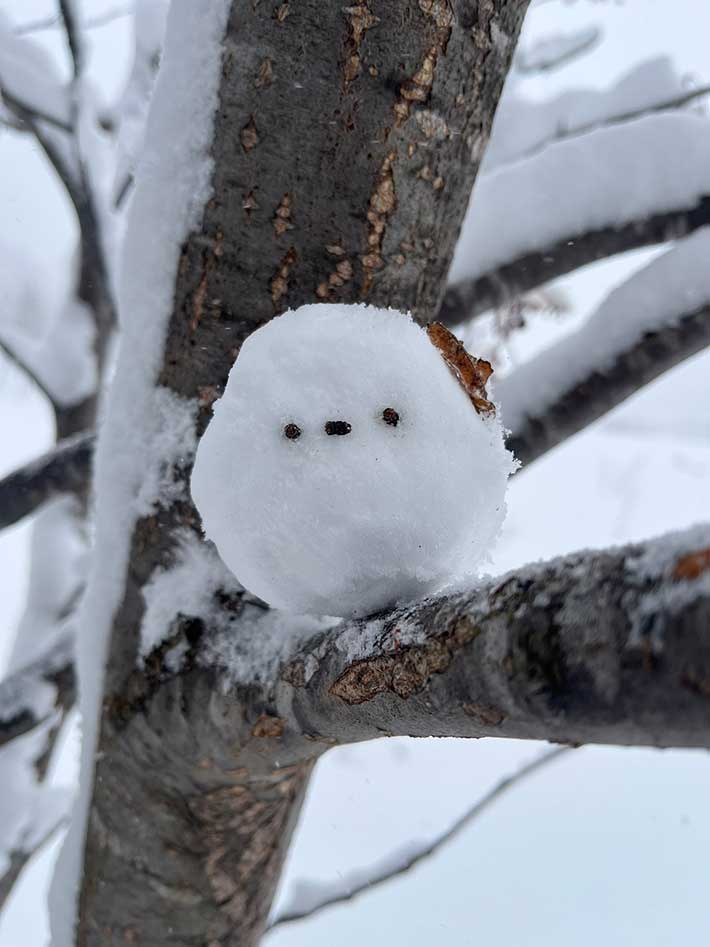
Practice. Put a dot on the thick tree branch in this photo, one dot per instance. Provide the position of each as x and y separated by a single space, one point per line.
599 647
64 469
573 251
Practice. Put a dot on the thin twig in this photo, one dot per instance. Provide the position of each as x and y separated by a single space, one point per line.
348 894
20 363
52 22
71 30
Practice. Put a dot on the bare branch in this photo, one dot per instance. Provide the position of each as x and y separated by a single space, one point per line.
400 865
599 647
575 250
20 363
64 469
52 22
71 29
24 112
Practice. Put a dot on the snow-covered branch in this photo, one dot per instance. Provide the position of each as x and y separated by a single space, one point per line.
32 695
580 200
64 469
598 647
654 320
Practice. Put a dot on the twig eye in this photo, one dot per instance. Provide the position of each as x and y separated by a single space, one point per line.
391 417
292 431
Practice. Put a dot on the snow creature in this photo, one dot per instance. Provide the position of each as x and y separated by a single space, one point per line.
353 462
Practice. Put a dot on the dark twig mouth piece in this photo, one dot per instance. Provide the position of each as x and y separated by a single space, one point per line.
337 427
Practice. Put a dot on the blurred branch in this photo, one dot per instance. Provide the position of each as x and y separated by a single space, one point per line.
64 469
71 30
23 696
28 115
52 22
469 298
601 389
297 911
20 363
19 859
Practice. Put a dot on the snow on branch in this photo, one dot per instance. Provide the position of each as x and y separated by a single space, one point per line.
524 126
308 898
579 200
64 469
645 326
597 647
31 696
29 81
551 52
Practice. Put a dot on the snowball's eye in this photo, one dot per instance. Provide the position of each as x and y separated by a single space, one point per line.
391 417
292 432
337 427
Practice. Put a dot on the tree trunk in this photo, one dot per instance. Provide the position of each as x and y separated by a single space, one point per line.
345 146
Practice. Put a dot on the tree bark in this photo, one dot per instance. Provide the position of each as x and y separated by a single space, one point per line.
345 146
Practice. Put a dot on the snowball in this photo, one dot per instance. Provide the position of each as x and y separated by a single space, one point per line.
403 496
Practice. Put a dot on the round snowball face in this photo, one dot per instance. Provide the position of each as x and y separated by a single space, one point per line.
345 469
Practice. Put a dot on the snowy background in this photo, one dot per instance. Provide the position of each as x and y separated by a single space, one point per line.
604 846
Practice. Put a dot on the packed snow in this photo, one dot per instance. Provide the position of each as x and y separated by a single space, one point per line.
345 468
524 125
607 178
672 285
172 187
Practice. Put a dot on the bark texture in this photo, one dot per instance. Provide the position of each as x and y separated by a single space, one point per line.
345 146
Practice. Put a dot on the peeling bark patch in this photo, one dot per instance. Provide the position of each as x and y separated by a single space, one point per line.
361 20
198 300
249 136
268 726
282 217
249 204
418 87
279 284
341 275
383 202
282 12
265 76
692 566
405 672
472 373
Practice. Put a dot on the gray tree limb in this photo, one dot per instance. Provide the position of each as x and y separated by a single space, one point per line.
602 389
66 468
464 300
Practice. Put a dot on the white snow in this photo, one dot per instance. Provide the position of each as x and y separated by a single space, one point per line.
30 77
607 178
173 184
28 811
348 523
523 125
672 285
170 444
550 52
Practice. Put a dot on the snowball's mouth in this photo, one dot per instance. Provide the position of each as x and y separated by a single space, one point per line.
337 428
